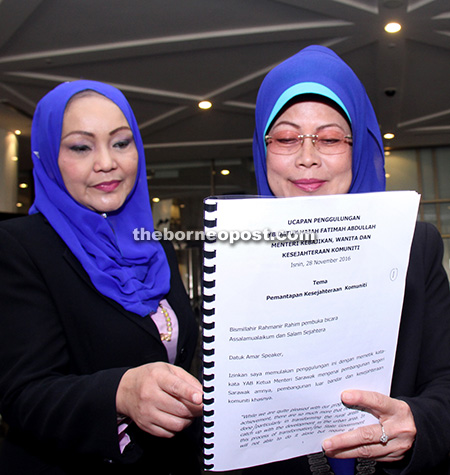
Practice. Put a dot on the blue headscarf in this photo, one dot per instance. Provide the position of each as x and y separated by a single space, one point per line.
134 274
318 70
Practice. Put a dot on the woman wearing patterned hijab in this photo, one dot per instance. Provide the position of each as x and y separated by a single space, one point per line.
316 133
97 330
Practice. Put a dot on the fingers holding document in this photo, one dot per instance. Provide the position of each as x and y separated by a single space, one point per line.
387 441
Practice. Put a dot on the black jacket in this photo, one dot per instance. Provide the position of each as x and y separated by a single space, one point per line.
63 351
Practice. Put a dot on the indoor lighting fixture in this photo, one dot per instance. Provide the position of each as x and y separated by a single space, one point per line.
388 175
393 27
19 204
155 199
388 136
205 105
17 132
14 159
225 172
23 185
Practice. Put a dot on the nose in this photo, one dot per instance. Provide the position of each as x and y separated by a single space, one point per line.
307 155
104 160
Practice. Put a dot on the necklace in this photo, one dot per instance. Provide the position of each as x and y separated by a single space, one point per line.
166 336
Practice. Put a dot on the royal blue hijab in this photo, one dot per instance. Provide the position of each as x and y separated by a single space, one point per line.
134 274
318 70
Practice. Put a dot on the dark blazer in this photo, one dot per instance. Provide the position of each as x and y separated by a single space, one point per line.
64 348
422 367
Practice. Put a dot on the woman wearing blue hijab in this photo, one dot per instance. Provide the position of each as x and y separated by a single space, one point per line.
98 334
316 133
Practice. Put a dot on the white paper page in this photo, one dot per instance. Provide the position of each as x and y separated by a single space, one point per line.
296 323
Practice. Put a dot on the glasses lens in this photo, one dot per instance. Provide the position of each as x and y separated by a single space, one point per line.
283 142
331 142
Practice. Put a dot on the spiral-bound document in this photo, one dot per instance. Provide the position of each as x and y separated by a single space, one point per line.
302 300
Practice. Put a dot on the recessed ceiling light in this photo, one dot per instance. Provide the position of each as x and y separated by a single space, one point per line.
17 132
388 175
225 172
393 27
205 105
155 199
23 185
388 136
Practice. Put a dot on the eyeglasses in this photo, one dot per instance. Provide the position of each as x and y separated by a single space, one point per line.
286 142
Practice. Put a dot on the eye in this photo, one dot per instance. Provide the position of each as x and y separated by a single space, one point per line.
330 139
121 144
79 148
286 138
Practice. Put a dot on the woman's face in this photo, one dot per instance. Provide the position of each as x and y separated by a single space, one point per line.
307 172
97 156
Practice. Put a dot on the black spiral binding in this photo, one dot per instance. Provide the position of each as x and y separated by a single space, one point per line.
209 269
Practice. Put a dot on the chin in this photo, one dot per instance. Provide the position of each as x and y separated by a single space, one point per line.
318 192
105 208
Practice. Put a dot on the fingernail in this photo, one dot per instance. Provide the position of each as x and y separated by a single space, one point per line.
348 397
197 398
347 394
326 445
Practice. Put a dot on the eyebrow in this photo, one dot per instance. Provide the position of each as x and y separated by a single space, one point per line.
321 127
90 134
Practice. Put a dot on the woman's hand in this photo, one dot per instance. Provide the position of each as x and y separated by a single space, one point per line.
364 442
162 399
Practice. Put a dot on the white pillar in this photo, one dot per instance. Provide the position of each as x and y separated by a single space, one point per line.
9 166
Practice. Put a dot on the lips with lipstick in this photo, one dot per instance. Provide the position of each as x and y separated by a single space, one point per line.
108 186
309 185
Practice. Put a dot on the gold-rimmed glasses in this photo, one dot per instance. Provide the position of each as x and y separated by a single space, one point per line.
287 142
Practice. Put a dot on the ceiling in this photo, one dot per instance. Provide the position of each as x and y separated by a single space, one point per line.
167 55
